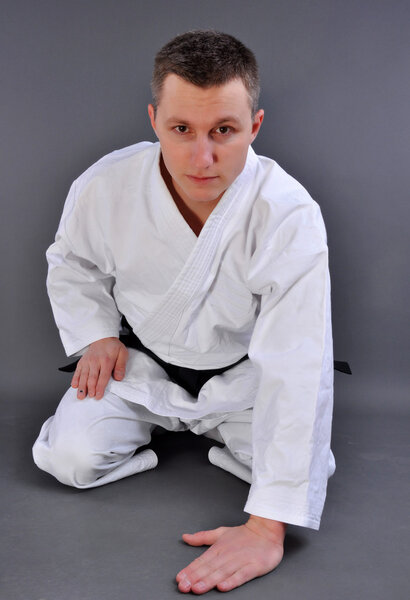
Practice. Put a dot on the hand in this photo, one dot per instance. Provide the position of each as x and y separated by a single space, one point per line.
103 358
236 555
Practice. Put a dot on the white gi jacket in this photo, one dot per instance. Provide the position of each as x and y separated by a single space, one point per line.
254 281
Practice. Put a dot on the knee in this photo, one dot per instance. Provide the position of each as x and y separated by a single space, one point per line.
70 461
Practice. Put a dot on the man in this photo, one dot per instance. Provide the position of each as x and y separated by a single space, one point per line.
217 259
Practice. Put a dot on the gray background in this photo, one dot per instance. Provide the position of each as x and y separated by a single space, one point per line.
336 91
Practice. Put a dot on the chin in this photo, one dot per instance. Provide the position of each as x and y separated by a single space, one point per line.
202 198
205 193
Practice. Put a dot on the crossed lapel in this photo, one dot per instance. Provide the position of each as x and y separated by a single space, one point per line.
197 274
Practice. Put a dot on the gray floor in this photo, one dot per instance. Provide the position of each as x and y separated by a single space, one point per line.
123 542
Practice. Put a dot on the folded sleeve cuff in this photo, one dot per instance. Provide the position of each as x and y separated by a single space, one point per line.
74 346
281 511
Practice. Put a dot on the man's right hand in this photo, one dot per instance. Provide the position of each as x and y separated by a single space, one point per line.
103 358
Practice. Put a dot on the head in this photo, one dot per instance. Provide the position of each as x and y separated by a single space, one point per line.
206 59
204 112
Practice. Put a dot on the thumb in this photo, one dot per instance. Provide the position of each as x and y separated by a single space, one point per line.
203 538
120 363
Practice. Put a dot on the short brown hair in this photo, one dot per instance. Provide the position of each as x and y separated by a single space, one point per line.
206 58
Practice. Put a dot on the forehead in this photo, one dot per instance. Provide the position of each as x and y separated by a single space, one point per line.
186 99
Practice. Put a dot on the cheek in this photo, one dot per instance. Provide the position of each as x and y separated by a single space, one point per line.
174 157
235 162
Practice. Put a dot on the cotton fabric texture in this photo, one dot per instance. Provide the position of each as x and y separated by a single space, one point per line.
255 281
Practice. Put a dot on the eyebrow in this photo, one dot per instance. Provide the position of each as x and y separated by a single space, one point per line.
227 119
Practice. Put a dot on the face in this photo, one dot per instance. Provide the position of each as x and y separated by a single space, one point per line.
204 136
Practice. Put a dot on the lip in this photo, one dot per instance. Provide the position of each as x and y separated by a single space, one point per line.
200 180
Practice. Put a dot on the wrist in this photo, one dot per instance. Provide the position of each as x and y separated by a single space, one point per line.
104 340
269 528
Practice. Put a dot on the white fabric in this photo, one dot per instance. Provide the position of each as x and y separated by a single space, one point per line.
254 281
89 443
221 457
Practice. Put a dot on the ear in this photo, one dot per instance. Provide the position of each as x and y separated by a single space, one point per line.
151 113
256 124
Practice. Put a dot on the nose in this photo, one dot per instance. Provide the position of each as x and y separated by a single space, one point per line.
202 153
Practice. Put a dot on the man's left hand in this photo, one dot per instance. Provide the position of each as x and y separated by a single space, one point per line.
236 555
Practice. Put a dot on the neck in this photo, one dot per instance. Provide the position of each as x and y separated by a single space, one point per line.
194 214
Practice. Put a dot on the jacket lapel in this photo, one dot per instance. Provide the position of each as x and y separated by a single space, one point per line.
197 273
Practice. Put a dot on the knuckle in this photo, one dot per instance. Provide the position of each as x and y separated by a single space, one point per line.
221 573
106 367
199 561
256 568
248 571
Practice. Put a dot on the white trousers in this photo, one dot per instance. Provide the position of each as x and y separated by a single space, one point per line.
89 442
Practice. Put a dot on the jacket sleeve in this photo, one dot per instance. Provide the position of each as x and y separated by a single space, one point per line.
81 273
291 348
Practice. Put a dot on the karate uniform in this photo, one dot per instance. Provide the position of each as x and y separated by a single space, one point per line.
255 281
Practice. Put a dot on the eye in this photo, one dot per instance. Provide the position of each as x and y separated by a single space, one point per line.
181 128
224 129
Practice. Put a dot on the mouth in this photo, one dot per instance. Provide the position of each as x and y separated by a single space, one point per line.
201 180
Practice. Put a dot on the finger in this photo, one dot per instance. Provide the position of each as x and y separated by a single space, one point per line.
106 366
241 576
204 538
200 538
201 567
76 377
211 580
207 571
207 576
82 383
120 364
92 379
184 585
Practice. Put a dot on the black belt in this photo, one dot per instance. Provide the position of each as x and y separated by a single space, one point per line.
190 379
